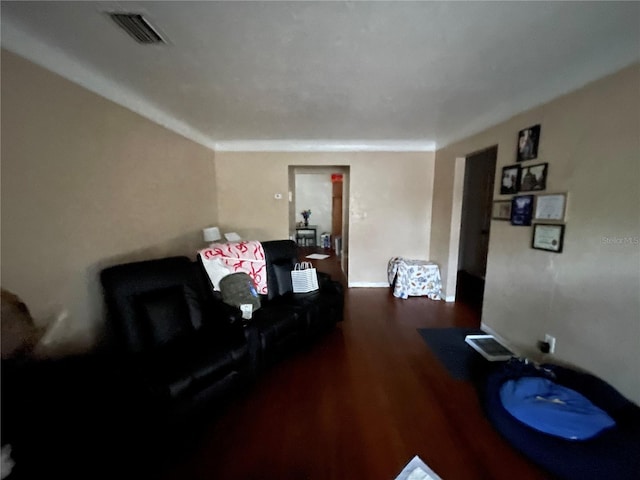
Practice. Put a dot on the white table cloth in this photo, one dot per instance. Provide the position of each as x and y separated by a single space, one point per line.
414 278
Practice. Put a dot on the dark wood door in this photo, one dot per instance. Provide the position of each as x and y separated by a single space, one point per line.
475 226
336 209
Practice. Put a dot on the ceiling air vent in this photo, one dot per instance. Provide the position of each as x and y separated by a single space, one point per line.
138 27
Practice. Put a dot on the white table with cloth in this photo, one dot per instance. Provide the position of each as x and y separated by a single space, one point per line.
414 278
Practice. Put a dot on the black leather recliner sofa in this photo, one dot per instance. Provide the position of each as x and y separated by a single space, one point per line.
189 346
178 349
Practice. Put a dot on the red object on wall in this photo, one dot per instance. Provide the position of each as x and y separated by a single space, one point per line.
336 177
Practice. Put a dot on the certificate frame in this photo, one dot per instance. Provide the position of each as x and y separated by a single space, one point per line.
550 207
501 210
548 237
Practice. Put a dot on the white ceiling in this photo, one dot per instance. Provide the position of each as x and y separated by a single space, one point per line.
363 75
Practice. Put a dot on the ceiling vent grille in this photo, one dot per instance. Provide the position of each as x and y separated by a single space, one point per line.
138 27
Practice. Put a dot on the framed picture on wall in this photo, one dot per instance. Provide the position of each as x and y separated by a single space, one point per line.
528 139
533 177
501 210
547 236
510 179
550 207
521 210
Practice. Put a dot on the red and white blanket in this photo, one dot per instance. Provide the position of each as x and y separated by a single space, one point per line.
231 257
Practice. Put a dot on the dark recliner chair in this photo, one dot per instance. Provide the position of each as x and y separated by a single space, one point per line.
162 316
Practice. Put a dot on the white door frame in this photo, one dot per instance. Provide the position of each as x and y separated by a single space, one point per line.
454 229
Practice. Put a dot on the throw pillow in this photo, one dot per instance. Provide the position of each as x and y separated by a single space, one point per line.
238 289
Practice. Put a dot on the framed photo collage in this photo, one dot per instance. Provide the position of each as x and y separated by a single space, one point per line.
524 180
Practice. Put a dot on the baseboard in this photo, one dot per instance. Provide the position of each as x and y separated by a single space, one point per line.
486 328
368 284
450 298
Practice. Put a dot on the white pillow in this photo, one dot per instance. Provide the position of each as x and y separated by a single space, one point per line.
216 271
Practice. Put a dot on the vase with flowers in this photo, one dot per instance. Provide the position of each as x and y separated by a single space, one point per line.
305 215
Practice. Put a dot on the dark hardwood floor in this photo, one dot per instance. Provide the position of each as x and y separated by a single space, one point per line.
360 403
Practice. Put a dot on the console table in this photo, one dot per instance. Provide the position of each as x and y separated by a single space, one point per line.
306 236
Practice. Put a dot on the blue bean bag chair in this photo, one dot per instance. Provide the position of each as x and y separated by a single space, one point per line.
608 450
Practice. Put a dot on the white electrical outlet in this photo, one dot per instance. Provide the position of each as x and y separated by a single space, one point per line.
551 341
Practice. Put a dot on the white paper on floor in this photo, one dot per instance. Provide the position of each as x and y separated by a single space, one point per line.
416 469
317 256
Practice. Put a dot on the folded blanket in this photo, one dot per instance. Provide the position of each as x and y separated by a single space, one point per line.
221 259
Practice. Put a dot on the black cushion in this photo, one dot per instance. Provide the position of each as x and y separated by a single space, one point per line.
278 252
166 315
283 277
123 283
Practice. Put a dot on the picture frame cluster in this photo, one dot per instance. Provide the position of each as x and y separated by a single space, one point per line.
525 176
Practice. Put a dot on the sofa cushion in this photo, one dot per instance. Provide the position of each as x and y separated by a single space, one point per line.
283 277
166 315
278 252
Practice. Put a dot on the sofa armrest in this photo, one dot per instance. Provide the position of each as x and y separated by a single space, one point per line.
325 283
323 279
223 312
232 317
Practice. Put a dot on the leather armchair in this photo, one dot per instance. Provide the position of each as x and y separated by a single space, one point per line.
165 323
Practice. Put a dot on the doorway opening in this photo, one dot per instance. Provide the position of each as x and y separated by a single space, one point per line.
324 191
475 226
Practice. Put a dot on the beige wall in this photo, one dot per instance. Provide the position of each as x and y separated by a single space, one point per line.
389 198
85 184
589 295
